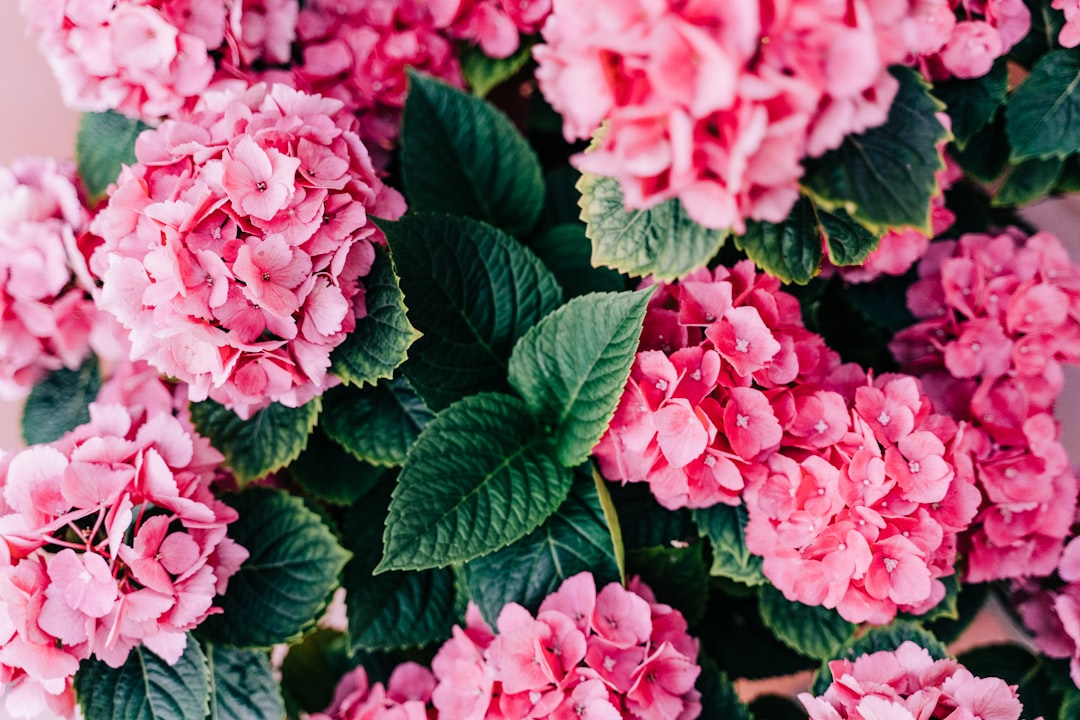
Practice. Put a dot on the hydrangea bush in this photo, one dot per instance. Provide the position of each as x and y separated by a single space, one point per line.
499 360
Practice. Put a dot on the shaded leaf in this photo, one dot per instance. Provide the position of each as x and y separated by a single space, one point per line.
815 632
376 424
242 685
565 250
1042 117
971 103
330 473
483 74
725 527
60 402
104 143
790 250
678 576
1028 181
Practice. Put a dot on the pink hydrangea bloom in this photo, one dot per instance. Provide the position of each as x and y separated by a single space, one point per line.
718 104
494 25
1070 33
111 539
997 322
406 696
234 252
907 683
968 47
47 316
602 655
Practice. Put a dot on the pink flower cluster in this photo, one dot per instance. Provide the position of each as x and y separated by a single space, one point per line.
717 104
46 315
967 47
596 655
494 25
1070 34
906 684
234 251
111 539
1054 615
407 696
999 316
851 486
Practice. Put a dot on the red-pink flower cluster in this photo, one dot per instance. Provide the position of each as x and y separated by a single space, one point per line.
111 539
407 696
1054 615
235 249
853 496
46 314
999 316
494 25
967 47
717 104
599 655
906 684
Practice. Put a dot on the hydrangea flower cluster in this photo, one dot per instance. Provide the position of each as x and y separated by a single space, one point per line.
998 318
967 47
906 684
1054 615
717 104
407 696
494 25
46 315
602 655
111 539
234 251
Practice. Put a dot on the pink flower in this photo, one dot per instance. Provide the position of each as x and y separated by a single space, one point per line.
259 182
972 49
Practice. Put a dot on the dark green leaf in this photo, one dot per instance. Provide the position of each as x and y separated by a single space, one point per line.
1042 117
776 707
968 602
644 522
661 241
735 635
987 152
1070 705
790 250
678 576
1016 666
575 539
719 699
725 526
565 250
376 424
473 291
481 476
105 142
242 685
394 609
286 583
972 103
884 178
382 338
460 155
847 242
816 632
60 402
888 637
312 669
881 304
330 473
270 440
561 199
571 367
484 74
1028 181
146 687
1046 24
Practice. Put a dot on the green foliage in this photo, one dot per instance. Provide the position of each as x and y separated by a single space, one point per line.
572 366
330 473
104 143
460 155
565 250
846 241
59 402
678 575
242 685
575 539
311 670
286 582
1042 117
644 522
1030 180
146 687
376 424
776 707
884 178
381 339
725 527
972 103
484 74
718 696
472 291
1017 666
661 241
815 632
271 439
481 475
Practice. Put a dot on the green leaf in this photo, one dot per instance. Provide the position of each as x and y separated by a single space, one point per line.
776 707
286 582
847 242
816 632
719 699
1028 181
725 526
884 178
481 476
678 576
575 539
1042 117
1046 24
394 609
330 473
565 250
560 198
376 424
242 685
646 523
1017 666
790 250
968 602
1070 705
382 338
611 519
146 687
473 291
311 671
460 155
888 637
270 440
661 241
483 74
571 367
105 142
987 152
60 402
739 640
972 103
